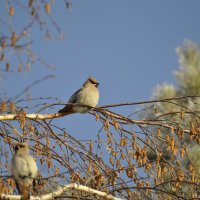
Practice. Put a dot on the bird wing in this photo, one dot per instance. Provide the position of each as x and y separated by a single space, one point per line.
73 98
32 166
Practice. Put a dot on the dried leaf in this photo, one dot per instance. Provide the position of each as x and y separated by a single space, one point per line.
107 124
111 161
24 33
49 163
3 106
3 44
47 8
182 114
192 129
158 132
11 11
12 107
129 173
89 169
116 125
13 39
57 171
182 152
121 144
172 144
2 58
97 117
130 194
175 150
167 138
7 67
90 147
20 68
159 172
30 3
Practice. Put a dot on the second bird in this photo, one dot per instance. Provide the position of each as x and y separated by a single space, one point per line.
24 169
83 99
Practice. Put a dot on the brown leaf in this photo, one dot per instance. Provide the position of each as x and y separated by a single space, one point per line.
129 173
57 171
47 8
3 106
11 11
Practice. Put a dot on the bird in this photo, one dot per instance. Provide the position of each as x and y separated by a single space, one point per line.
24 169
84 99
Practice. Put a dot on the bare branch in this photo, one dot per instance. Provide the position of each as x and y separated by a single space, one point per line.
60 191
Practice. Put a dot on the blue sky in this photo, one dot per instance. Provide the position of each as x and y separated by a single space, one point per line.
129 46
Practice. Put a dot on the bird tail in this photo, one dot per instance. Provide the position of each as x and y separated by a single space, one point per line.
25 194
67 110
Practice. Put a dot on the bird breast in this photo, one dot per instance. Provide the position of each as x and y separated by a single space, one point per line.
24 169
88 96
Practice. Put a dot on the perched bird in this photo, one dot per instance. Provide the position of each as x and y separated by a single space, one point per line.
83 99
24 169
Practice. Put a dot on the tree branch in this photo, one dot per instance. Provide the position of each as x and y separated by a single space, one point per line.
6 117
107 113
60 191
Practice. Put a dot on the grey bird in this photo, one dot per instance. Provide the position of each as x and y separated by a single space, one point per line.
83 99
24 169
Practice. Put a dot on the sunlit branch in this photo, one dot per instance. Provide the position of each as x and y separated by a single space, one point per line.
61 190
5 117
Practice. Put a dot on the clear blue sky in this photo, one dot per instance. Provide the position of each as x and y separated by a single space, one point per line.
129 46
